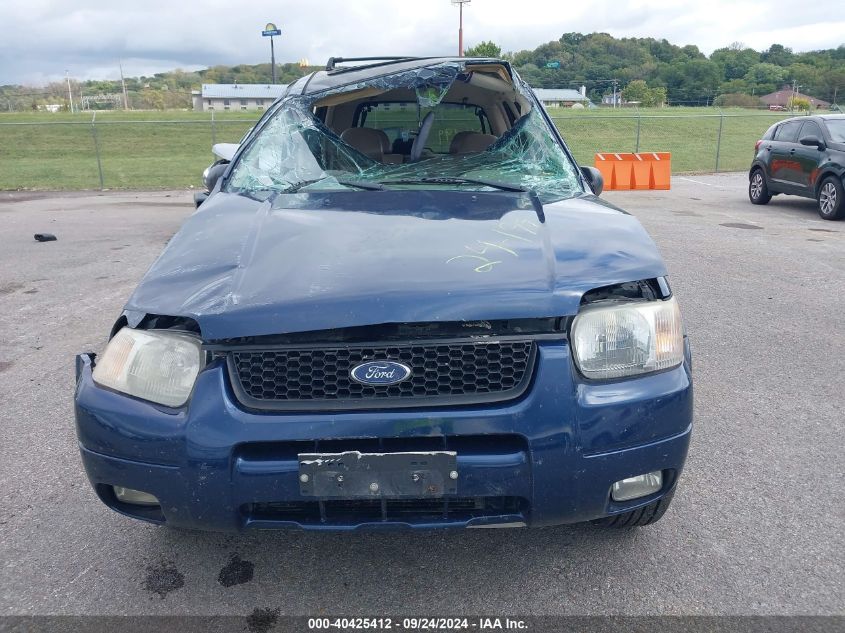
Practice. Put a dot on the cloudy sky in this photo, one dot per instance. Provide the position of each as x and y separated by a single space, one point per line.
39 39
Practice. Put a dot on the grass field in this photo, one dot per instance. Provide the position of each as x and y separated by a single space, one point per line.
138 150
690 134
152 150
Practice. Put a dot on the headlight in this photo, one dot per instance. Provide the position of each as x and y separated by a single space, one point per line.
628 339
156 365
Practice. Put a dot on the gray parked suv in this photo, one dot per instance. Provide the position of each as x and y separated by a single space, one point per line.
802 156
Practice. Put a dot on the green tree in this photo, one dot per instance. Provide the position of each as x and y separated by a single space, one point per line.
764 78
692 52
834 84
153 99
807 76
691 81
662 50
484 49
735 86
735 61
778 55
659 96
522 58
639 92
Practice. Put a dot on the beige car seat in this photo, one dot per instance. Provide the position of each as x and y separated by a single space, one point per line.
471 142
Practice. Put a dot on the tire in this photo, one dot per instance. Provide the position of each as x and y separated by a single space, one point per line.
758 190
641 516
831 199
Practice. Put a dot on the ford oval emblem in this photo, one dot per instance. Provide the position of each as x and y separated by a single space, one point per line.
380 372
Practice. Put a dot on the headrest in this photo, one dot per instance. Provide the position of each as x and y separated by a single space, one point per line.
366 140
471 142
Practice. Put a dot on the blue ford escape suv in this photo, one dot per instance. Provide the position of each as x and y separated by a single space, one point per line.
402 304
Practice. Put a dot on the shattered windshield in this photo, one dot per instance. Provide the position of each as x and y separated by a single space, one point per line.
442 126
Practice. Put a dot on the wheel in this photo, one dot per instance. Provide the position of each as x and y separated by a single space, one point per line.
641 516
831 199
758 191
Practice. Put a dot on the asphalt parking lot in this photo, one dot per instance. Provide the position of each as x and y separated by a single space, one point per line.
756 528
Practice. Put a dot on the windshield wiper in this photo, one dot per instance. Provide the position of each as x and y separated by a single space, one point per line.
494 184
450 180
360 184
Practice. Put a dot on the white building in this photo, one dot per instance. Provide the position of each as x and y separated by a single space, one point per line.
613 99
236 96
563 98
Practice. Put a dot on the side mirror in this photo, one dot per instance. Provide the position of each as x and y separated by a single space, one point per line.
199 198
813 141
213 173
594 179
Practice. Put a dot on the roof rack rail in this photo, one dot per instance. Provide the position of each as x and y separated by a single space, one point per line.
333 61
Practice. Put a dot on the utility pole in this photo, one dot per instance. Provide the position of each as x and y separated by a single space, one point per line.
123 83
270 31
795 93
460 4
273 60
69 93
615 84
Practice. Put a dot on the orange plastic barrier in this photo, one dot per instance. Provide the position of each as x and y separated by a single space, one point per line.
623 172
647 170
661 171
605 166
641 178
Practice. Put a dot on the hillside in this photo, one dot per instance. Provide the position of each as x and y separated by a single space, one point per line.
688 76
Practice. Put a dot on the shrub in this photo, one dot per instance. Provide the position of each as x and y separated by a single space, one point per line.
738 100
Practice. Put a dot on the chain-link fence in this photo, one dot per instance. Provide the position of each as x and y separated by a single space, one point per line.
116 151
712 142
97 152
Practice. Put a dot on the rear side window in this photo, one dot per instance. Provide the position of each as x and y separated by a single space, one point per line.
811 128
788 131
400 119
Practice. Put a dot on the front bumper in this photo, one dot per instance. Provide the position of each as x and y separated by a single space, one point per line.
548 458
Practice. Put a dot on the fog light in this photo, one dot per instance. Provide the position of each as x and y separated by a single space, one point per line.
636 487
127 495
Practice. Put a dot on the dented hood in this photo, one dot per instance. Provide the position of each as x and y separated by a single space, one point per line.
242 267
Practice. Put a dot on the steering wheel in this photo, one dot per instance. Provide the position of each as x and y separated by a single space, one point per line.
422 137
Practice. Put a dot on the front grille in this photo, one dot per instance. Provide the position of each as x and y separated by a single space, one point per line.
342 512
442 373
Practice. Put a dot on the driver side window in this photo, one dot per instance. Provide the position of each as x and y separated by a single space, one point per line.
811 128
